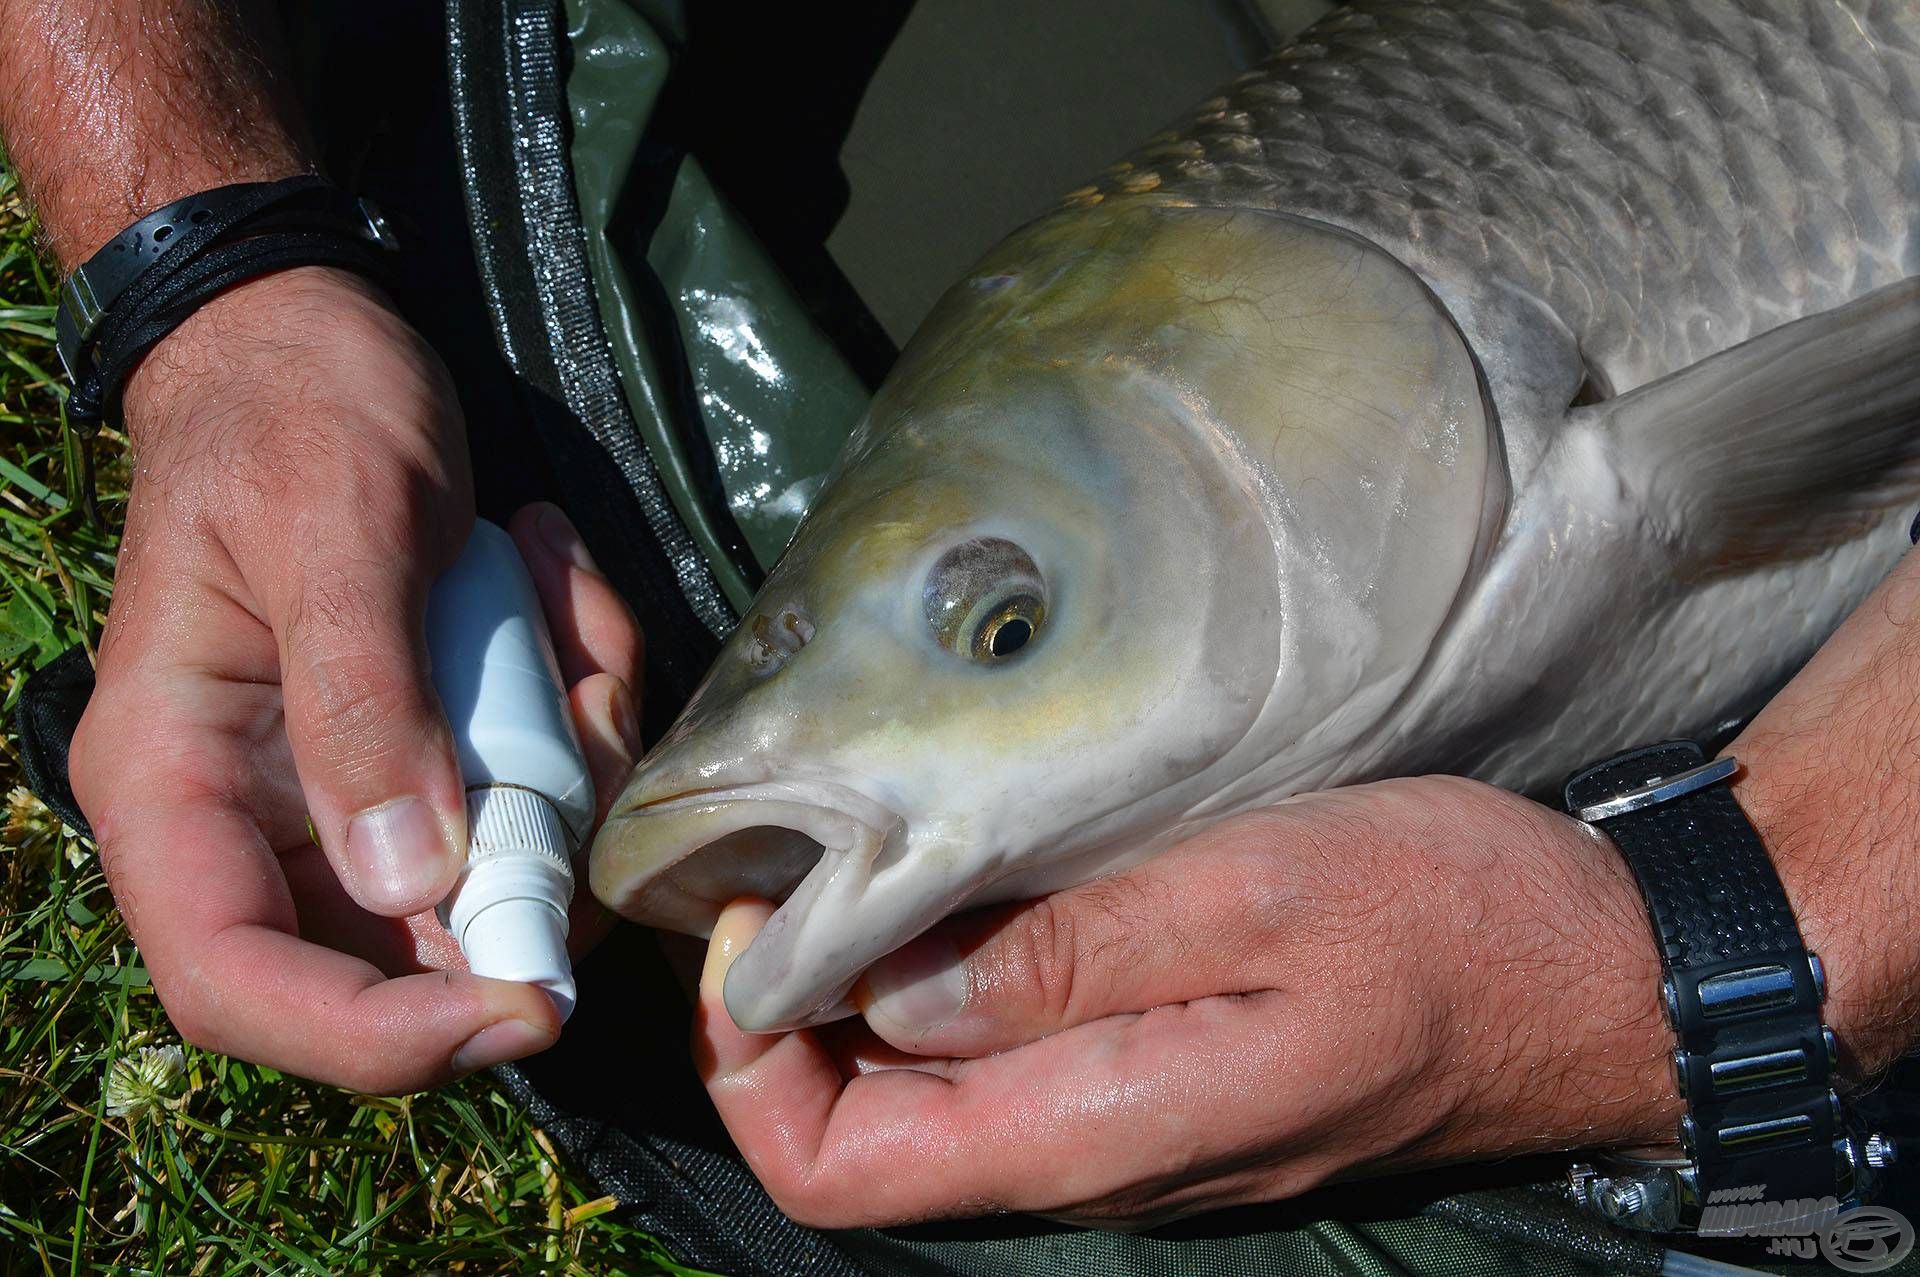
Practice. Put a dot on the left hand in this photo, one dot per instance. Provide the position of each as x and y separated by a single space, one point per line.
1400 974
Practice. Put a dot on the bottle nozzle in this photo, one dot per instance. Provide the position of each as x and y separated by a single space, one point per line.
509 910
525 940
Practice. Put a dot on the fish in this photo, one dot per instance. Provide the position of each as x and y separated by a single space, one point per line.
1472 387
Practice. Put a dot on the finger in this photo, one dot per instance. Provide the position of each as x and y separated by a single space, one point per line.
593 629
609 727
855 1049
216 925
329 918
1050 1126
370 742
1201 919
233 723
223 721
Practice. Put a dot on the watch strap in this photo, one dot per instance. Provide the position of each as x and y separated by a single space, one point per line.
154 274
1741 992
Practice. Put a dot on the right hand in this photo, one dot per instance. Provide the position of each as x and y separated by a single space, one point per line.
301 479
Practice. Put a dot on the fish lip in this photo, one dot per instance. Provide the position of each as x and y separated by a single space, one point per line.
877 818
842 819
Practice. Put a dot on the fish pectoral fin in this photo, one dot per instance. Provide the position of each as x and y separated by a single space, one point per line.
1783 446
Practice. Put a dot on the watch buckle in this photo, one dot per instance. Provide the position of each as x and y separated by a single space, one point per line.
1655 792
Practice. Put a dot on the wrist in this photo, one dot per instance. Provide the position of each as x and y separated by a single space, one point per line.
1601 1042
241 345
1553 980
1828 770
1844 855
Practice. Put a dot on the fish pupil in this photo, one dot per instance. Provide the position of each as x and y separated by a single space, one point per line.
1010 636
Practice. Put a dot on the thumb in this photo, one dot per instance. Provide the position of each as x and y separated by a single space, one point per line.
1000 978
369 738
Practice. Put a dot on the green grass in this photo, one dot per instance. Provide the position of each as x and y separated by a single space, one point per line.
121 1152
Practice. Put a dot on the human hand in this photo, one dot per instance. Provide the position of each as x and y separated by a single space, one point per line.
1408 973
300 481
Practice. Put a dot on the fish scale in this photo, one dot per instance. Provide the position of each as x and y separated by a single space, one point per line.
1663 176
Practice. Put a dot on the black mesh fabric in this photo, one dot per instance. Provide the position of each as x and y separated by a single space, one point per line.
44 720
510 121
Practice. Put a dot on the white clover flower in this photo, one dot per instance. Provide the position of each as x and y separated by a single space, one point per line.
153 1077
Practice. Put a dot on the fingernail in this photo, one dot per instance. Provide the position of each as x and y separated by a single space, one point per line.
733 931
625 721
498 1043
398 855
720 1048
564 539
920 988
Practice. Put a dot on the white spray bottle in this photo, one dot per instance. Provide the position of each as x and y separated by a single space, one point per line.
529 794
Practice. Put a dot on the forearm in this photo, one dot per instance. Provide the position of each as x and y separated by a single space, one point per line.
112 108
1832 780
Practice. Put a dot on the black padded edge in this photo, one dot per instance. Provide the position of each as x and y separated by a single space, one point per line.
511 125
45 719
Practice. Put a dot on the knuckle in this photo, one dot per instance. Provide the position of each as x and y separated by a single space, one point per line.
85 759
812 1197
1043 957
333 603
350 707
381 508
800 1195
110 773
353 680
1256 903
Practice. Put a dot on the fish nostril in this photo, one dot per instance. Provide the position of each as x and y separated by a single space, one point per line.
777 635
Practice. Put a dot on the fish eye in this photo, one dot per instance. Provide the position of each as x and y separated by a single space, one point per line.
985 599
1007 629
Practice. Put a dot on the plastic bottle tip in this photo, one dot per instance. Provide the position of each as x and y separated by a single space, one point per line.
522 940
562 994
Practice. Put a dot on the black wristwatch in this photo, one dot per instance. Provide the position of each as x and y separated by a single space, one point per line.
1754 1063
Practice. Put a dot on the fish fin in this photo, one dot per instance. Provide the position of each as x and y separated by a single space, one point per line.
1783 446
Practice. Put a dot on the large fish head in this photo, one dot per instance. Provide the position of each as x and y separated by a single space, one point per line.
1058 576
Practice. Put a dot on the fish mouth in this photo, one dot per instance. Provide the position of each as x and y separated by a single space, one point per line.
813 846
674 861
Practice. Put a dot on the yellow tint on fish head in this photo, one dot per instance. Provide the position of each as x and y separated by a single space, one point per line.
1105 518
1327 371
